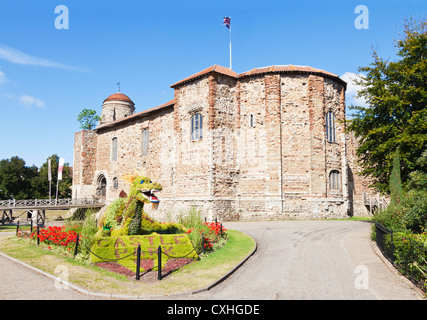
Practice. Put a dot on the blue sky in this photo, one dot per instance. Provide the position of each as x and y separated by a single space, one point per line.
48 75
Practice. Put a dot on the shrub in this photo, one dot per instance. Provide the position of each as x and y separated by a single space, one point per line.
415 216
410 253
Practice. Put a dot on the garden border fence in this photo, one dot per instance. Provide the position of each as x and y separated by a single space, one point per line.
138 251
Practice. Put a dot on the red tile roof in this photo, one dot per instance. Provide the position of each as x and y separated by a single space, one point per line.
136 115
215 68
118 97
271 69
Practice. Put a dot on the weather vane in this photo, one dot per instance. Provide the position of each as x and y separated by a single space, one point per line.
119 86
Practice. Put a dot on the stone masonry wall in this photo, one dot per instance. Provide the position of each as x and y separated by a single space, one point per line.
263 154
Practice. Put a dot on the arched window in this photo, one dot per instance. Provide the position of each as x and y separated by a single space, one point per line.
144 144
196 127
251 120
114 149
334 180
115 183
330 126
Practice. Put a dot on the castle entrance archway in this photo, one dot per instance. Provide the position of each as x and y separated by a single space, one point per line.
101 188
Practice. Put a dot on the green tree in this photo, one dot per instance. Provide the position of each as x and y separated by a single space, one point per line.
88 119
396 192
16 178
40 184
396 115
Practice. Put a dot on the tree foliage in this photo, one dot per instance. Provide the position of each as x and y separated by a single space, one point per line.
396 115
18 181
15 178
40 183
396 192
88 119
408 208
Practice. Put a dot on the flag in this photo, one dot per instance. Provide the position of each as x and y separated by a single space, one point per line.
227 22
60 166
49 173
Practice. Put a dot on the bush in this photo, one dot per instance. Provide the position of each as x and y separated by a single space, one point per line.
193 221
415 214
391 217
410 253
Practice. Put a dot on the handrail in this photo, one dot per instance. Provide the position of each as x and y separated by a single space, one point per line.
13 203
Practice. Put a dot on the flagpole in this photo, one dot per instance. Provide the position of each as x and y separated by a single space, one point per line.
49 176
230 44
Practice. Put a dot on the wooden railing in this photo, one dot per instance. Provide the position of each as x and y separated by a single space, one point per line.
375 203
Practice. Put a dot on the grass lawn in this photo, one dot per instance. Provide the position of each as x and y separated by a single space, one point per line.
195 276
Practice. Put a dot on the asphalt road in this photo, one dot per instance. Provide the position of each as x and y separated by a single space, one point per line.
294 260
312 260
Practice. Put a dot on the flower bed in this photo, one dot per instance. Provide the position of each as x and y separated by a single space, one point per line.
56 236
211 235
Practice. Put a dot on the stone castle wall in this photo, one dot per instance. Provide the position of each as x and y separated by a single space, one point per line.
263 155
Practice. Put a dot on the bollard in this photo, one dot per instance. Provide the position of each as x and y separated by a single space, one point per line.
203 243
138 262
77 244
159 261
38 238
17 228
31 226
221 229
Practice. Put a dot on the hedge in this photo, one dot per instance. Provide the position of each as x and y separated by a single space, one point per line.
122 249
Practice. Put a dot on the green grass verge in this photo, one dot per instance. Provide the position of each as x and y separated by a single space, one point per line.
354 219
197 275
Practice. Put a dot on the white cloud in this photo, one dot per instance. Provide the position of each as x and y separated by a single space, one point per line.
19 57
30 101
3 78
353 89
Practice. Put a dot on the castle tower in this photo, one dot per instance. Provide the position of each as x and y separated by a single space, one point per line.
115 107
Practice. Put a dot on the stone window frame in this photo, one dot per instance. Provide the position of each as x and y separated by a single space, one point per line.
115 183
196 127
145 140
334 180
114 149
330 125
252 121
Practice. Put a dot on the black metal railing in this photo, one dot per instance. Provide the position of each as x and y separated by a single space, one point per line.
405 252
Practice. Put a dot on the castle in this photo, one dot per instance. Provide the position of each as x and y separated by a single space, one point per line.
269 143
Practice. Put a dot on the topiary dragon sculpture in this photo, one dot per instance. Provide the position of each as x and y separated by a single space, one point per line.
127 217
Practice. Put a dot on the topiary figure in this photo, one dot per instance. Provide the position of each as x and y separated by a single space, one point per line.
127 217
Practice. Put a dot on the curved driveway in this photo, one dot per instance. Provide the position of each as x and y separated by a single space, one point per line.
294 260
312 260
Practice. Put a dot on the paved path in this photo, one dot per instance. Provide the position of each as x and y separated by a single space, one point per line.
312 260
18 282
294 260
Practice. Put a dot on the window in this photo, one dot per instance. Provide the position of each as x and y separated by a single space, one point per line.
334 180
144 144
115 183
330 126
196 127
114 149
251 121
